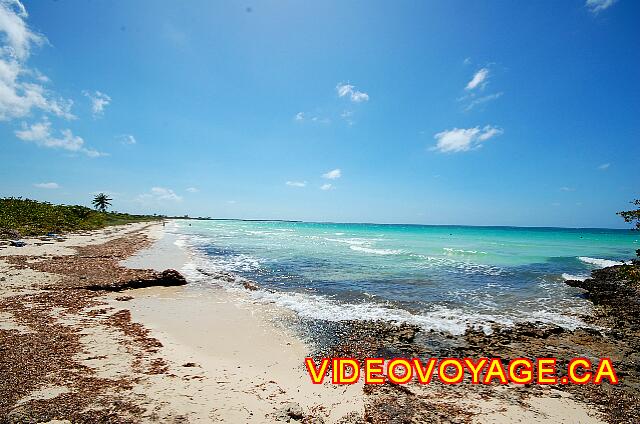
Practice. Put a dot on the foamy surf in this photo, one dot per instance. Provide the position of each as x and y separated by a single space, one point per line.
600 263
375 251
338 272
566 277
451 250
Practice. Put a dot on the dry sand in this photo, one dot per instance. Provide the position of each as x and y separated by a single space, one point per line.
223 357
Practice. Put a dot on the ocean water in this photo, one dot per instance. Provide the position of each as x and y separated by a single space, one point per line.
445 278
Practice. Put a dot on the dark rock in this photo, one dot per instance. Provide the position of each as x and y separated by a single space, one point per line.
250 286
166 278
124 298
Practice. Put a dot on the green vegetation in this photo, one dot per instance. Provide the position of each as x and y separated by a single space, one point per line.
31 218
101 201
633 216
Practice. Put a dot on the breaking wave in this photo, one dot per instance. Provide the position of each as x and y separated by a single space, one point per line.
601 263
376 251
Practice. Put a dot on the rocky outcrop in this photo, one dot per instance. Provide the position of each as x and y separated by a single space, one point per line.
615 293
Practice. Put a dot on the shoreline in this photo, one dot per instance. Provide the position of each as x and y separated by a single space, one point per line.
262 368
199 354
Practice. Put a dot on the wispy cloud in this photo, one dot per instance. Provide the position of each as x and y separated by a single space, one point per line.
48 186
326 187
192 190
99 101
597 6
604 166
567 189
464 139
40 134
22 88
482 100
347 116
348 90
127 139
160 195
479 79
333 174
296 183
302 117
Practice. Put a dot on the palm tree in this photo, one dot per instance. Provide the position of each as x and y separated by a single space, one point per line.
101 201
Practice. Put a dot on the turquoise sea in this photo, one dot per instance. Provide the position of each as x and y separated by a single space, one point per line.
444 278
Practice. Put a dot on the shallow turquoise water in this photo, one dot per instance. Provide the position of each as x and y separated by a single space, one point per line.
440 277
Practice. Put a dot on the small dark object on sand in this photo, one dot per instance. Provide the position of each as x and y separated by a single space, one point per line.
250 286
124 298
18 243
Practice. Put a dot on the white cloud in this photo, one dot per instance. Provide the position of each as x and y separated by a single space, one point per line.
232 202
344 89
300 117
21 88
50 186
464 139
40 134
567 189
326 187
350 91
359 96
296 183
481 100
320 120
597 6
159 195
127 139
467 61
479 79
98 102
192 190
333 174
162 193
18 36
604 166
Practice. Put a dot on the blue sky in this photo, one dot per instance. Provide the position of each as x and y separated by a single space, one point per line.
438 112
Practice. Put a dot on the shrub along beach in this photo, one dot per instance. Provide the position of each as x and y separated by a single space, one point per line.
27 217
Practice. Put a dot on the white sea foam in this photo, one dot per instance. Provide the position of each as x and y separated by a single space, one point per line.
446 263
451 320
566 276
376 251
600 263
350 241
474 252
320 307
